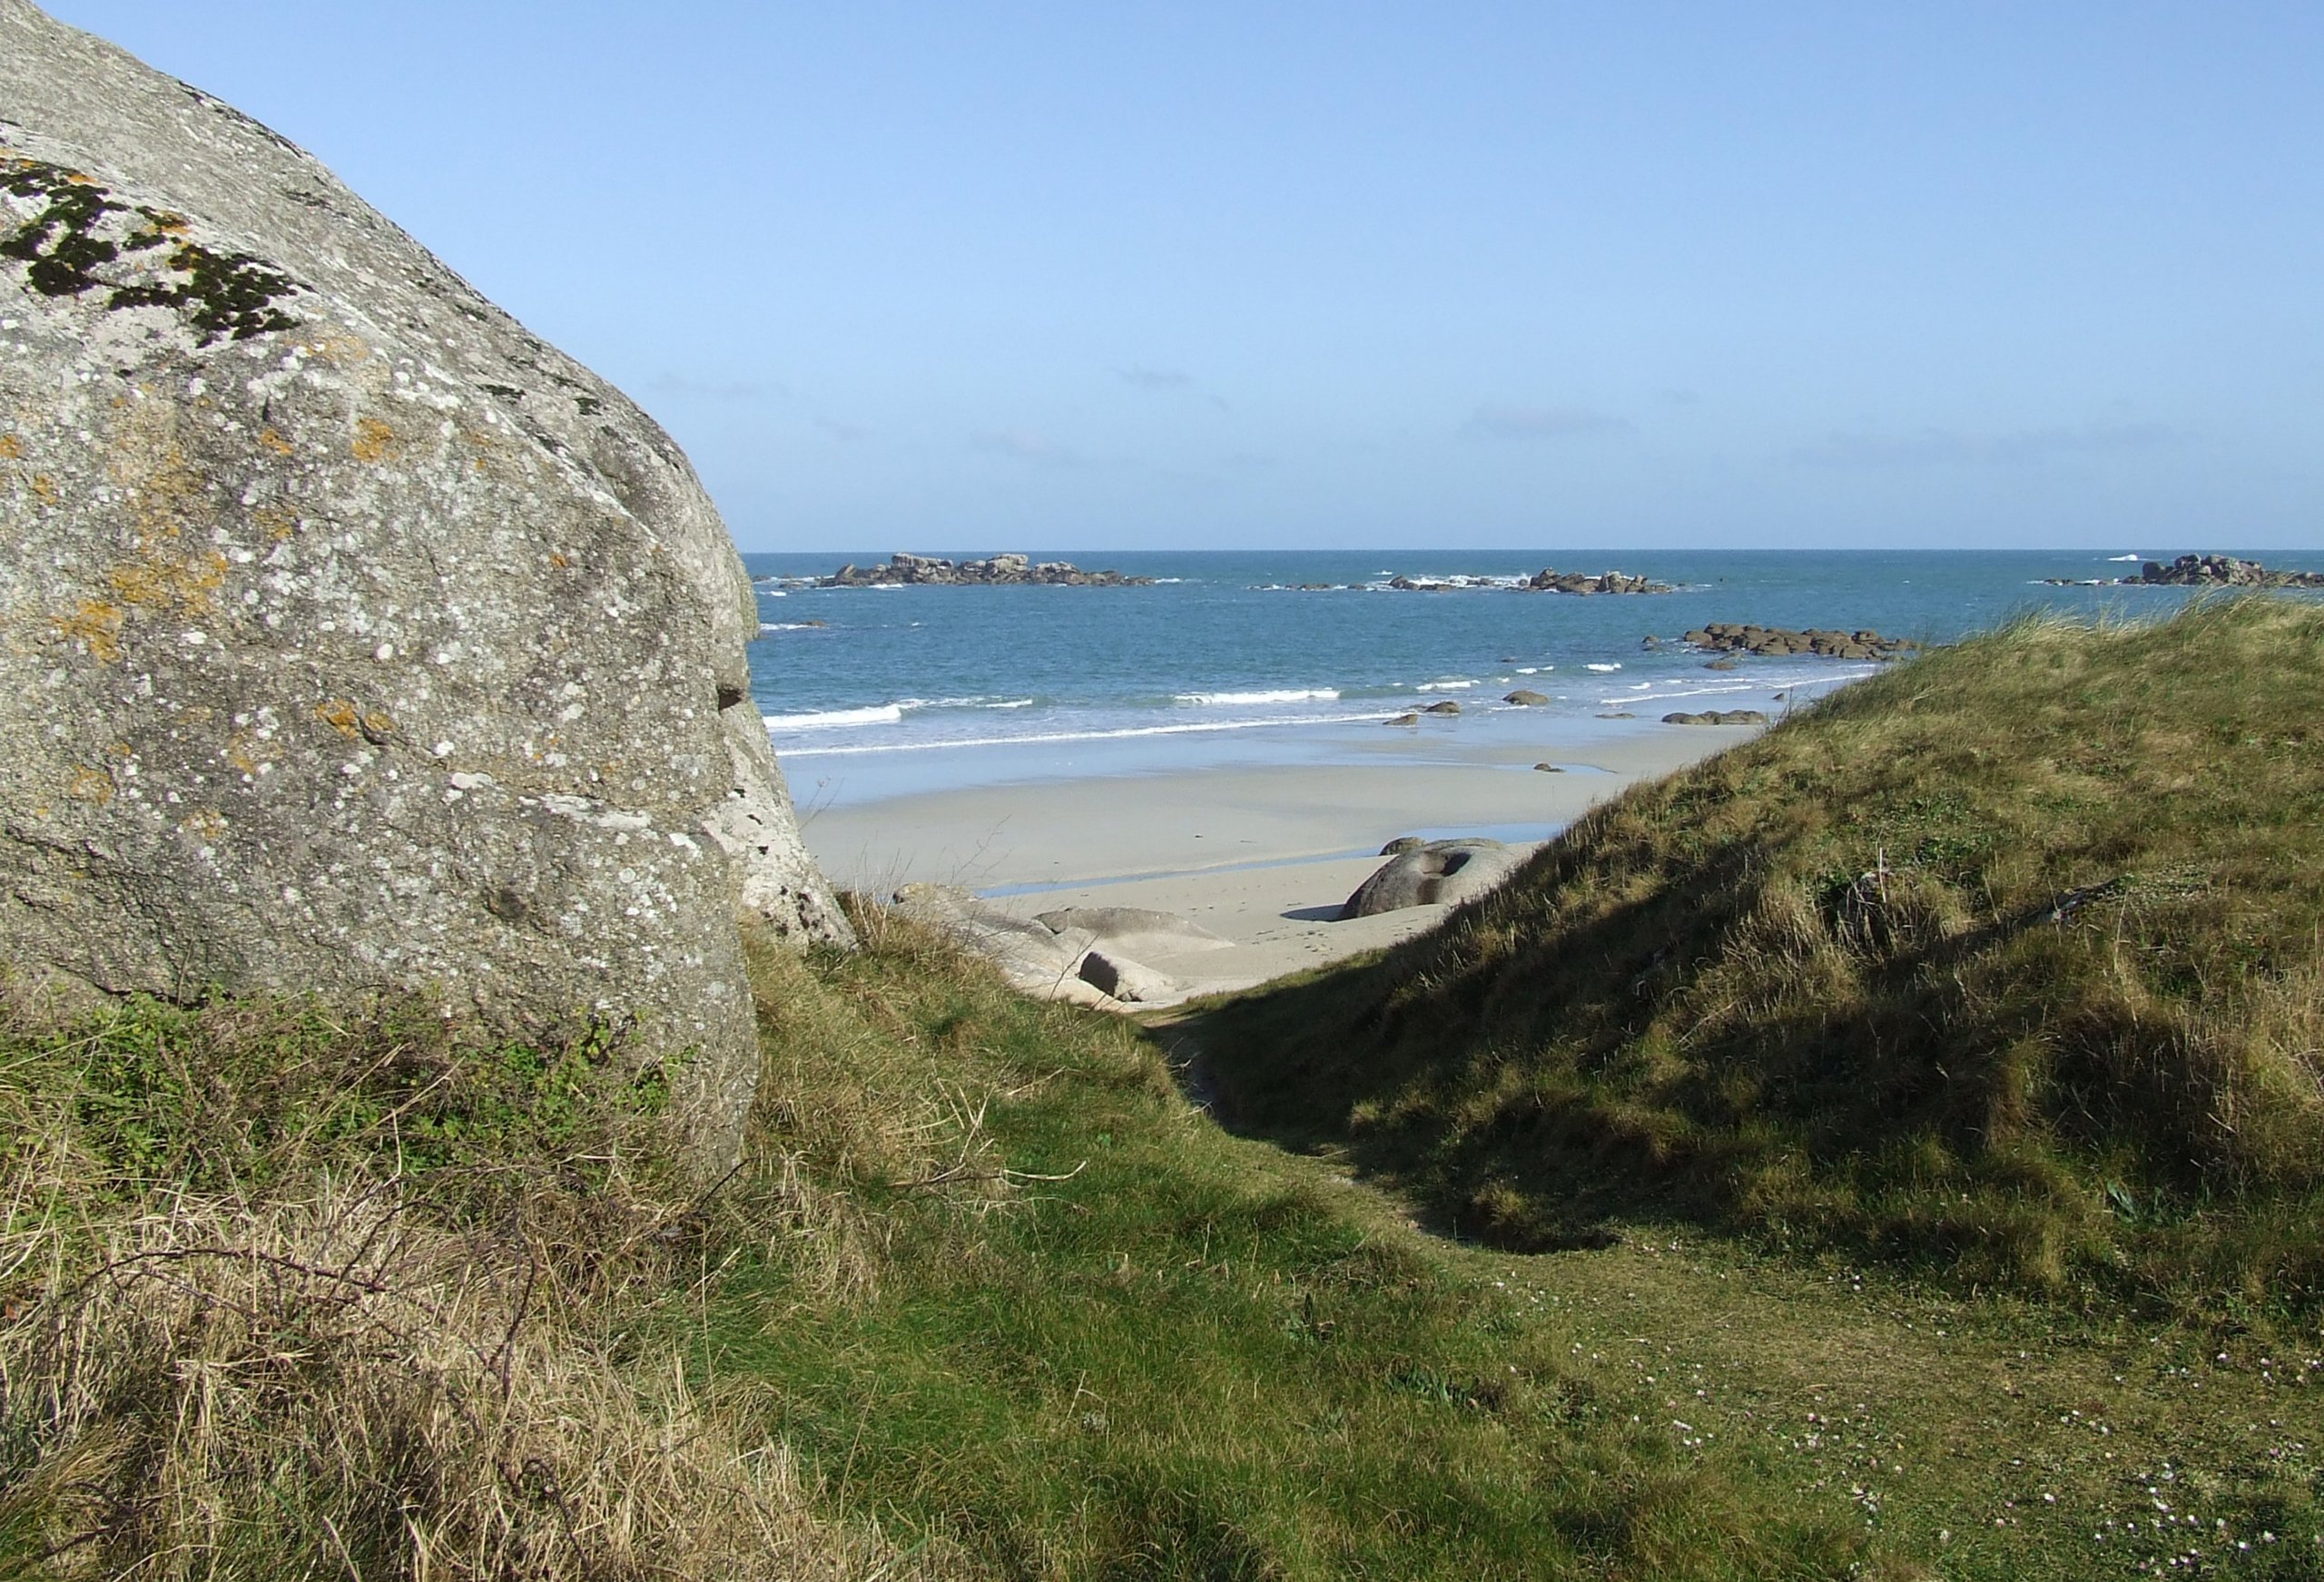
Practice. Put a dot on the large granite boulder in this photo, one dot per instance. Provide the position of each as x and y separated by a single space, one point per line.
1442 872
355 639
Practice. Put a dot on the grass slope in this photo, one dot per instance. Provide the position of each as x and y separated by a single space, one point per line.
1036 1309
282 1295
2004 962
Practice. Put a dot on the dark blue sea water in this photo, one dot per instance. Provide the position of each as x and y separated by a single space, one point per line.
870 692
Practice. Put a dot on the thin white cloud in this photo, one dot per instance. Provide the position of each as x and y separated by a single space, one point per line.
2005 447
1516 422
1030 446
1153 379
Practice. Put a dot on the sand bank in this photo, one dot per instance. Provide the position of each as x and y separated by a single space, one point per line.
1261 855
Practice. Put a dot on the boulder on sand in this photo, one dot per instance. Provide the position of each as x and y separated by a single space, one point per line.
1139 932
1719 717
1034 958
1525 698
356 640
1446 706
1440 872
1125 978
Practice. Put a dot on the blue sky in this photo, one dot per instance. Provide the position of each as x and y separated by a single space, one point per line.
977 275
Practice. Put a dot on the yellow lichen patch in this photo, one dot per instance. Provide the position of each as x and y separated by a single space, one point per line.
270 438
45 487
90 785
245 751
164 582
378 723
169 224
340 715
97 626
79 179
372 440
342 349
204 824
11 448
558 561
279 521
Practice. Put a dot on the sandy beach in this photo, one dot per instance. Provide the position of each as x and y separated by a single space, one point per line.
1262 855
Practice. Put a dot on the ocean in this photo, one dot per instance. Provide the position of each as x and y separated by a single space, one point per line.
1235 657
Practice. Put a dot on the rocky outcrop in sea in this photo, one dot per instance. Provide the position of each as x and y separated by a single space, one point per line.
1777 641
2202 571
1000 571
1549 581
357 639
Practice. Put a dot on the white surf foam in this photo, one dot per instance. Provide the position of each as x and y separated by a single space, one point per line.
1445 684
1605 667
1279 695
837 719
1054 737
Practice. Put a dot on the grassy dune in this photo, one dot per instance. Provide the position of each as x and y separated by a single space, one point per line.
2005 963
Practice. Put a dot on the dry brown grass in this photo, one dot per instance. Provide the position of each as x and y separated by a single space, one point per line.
291 1296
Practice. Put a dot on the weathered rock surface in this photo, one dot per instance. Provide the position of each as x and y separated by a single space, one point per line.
1112 972
1001 570
1135 931
356 640
1778 642
1033 957
1053 956
1448 871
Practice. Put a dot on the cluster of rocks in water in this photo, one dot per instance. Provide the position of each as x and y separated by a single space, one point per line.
1546 579
1549 581
2200 570
1000 571
1780 641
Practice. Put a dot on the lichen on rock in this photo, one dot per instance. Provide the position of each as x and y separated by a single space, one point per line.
355 639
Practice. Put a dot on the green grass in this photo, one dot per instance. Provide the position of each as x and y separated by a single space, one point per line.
1199 1355
1099 1338
2003 964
